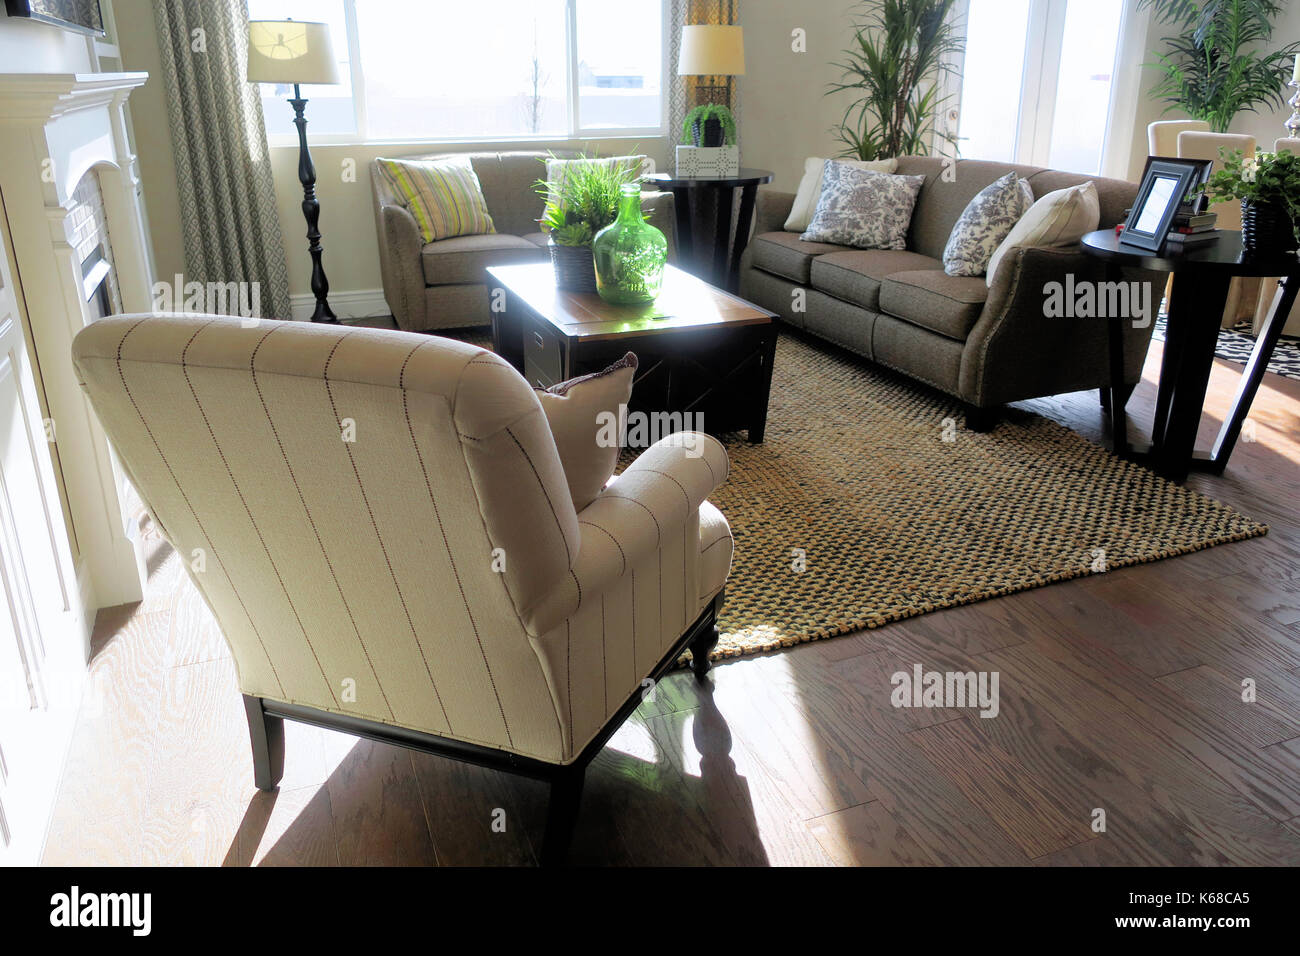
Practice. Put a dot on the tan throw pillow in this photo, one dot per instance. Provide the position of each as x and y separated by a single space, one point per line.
1060 218
810 187
586 415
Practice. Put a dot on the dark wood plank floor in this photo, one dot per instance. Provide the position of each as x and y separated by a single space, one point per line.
1120 695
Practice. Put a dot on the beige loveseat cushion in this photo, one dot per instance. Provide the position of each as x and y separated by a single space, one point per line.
785 254
934 300
855 276
462 259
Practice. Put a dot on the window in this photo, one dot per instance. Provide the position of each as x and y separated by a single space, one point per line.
429 70
1037 81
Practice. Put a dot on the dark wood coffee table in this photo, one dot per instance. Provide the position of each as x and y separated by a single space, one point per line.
701 350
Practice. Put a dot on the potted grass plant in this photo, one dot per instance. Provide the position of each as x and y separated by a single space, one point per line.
580 202
1268 187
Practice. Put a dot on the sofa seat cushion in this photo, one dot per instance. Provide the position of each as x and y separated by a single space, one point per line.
462 259
539 239
856 276
934 300
785 254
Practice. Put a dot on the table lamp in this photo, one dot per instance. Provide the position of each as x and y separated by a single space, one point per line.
298 51
712 51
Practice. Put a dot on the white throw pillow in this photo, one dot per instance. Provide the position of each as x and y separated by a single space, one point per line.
986 221
810 187
863 209
1060 218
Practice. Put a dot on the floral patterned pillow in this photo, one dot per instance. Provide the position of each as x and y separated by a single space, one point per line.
864 209
986 221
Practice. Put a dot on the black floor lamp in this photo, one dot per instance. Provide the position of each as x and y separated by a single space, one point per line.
298 51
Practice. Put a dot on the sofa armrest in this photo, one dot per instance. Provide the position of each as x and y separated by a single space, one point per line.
771 210
661 213
401 269
1020 348
626 522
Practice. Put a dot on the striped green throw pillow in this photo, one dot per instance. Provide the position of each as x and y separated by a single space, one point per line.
443 195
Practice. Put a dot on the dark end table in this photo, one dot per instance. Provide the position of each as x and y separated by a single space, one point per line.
700 350
1200 292
725 270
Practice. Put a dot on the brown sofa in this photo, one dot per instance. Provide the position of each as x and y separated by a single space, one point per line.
986 345
441 285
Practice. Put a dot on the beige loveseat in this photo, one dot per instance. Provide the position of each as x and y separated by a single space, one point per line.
390 546
986 345
441 285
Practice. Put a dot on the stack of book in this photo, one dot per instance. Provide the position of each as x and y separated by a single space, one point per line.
1191 229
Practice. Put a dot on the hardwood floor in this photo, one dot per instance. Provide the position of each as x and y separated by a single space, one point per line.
1120 694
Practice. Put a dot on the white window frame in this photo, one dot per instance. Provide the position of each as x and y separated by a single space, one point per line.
1044 43
574 134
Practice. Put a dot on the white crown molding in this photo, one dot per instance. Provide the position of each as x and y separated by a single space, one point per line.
27 98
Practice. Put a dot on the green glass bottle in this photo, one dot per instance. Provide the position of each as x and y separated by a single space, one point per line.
630 254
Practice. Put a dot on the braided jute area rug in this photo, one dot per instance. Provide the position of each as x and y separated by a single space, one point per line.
893 521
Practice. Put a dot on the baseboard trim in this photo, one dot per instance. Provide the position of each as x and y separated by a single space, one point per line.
352 304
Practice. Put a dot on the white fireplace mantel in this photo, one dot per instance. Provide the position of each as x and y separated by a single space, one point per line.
54 129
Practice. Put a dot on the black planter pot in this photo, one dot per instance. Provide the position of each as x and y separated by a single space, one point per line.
575 269
1266 227
710 135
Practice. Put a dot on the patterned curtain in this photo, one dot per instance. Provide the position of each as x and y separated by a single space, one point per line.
682 92
223 170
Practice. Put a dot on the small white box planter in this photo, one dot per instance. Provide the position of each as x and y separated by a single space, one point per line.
708 162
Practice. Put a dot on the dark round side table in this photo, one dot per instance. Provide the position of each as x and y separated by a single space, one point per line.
1200 293
725 269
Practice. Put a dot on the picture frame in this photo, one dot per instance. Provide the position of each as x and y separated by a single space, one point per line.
1166 183
83 16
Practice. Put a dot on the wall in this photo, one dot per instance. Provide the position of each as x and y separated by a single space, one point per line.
138 44
30 47
784 114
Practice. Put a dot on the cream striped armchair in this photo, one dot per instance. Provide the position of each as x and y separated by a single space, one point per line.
380 523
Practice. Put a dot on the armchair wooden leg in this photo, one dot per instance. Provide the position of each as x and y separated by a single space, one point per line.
562 814
266 733
706 641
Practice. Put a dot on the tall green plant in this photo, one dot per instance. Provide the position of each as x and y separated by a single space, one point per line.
1217 65
584 199
901 53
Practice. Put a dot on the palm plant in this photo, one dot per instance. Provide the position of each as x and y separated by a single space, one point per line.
902 52
1216 67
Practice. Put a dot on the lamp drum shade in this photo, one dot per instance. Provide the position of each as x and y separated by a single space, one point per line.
290 51
709 50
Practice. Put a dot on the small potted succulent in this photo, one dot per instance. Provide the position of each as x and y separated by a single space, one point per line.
711 124
579 204
1268 186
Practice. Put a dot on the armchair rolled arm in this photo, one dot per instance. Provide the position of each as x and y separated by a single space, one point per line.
400 252
659 210
628 520
1020 348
